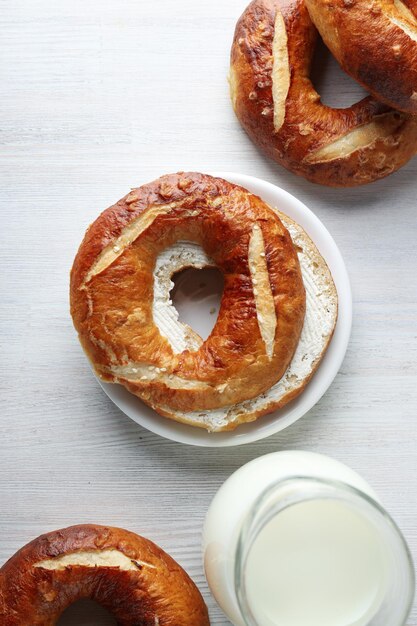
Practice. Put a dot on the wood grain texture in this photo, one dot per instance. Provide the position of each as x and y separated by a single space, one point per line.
101 96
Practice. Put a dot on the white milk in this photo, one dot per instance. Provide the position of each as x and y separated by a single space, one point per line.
318 563
329 557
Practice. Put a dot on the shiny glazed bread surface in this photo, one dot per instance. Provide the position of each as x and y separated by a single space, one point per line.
262 308
281 111
130 576
375 41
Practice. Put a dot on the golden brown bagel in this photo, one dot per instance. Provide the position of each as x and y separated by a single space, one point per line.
375 41
280 110
128 575
262 308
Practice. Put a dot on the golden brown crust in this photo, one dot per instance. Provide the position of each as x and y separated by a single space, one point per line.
372 140
322 296
375 41
112 293
155 591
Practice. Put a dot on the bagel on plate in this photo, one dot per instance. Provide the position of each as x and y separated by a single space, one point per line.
375 41
263 348
131 577
276 103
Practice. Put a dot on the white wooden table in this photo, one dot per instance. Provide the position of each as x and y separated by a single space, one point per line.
102 95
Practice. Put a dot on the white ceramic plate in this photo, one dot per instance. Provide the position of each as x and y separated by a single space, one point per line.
278 420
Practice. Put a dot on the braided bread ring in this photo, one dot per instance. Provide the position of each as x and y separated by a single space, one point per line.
128 575
280 110
262 308
375 41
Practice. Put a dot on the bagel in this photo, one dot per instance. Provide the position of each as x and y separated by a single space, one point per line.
279 108
262 310
128 575
243 315
375 41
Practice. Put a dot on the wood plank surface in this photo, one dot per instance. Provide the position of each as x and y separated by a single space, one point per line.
102 95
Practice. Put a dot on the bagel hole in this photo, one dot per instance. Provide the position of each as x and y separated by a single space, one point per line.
86 613
326 74
196 295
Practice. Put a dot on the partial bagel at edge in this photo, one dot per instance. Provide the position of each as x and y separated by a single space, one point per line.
279 108
131 577
375 41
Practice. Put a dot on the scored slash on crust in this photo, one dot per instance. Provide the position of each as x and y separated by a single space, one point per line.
404 19
381 127
128 235
264 299
93 558
145 372
280 70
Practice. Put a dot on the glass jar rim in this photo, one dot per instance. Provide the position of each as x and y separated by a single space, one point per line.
315 488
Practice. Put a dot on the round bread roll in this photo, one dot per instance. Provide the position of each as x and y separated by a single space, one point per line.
281 111
128 575
114 300
375 41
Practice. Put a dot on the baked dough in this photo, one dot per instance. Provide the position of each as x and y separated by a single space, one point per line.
375 41
319 324
280 110
113 301
128 575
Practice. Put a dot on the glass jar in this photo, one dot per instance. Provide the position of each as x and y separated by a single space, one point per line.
299 539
